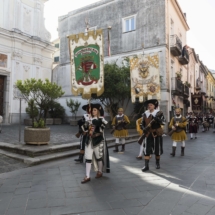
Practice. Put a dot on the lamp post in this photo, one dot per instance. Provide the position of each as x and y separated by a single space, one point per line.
17 95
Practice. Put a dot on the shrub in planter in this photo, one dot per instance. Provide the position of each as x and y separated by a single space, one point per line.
39 95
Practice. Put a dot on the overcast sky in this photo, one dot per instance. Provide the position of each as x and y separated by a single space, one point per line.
200 17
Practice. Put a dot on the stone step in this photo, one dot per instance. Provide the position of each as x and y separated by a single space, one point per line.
34 151
52 156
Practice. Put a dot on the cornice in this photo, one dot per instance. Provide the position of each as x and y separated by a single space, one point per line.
24 38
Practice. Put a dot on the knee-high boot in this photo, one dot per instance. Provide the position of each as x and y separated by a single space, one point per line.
182 151
123 148
157 162
80 158
146 167
173 151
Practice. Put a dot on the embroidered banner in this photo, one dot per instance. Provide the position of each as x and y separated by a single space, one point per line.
145 77
86 53
197 101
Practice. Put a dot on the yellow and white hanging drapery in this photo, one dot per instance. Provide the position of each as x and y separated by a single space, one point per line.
145 77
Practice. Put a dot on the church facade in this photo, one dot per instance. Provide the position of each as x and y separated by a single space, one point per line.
25 51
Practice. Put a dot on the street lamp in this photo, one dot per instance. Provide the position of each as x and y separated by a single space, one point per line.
18 95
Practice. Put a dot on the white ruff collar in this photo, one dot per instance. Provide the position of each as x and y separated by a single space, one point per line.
178 116
119 115
148 113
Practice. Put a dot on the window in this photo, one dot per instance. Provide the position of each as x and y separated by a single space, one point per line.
129 23
56 59
3 60
57 45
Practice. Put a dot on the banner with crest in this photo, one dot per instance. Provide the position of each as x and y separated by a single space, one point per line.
145 77
87 64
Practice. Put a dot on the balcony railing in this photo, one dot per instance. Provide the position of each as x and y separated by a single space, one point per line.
184 58
177 87
175 45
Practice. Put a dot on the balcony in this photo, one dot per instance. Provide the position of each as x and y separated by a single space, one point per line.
177 87
175 45
186 91
184 58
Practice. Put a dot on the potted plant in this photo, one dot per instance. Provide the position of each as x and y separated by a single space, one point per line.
39 95
187 84
57 112
74 106
178 75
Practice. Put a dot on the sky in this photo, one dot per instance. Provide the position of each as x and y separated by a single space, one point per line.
200 18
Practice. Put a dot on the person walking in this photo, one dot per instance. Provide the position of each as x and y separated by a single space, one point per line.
152 139
96 151
119 124
178 125
193 126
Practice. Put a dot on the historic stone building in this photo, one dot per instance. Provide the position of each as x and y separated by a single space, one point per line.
135 26
25 50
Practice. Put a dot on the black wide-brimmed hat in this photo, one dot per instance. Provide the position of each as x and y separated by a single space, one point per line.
94 105
152 101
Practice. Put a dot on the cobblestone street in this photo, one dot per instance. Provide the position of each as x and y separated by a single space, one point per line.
183 185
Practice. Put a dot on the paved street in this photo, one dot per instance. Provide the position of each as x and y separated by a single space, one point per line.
9 164
183 185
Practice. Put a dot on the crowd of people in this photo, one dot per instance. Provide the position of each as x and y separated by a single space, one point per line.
93 145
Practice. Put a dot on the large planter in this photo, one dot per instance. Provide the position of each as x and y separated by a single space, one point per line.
36 136
57 121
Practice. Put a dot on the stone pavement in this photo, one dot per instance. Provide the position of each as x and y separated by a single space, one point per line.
9 164
183 185
59 134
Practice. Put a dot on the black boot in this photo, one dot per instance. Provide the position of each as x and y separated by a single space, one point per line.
182 151
123 148
146 167
157 163
173 151
80 158
116 148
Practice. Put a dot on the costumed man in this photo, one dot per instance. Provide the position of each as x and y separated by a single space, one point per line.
96 151
152 139
140 132
119 124
193 126
205 124
178 125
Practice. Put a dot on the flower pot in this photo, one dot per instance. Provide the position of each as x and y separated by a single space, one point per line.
36 136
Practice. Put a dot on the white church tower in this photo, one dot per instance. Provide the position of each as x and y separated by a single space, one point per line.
25 50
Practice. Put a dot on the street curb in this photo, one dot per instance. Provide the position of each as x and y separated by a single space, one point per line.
53 153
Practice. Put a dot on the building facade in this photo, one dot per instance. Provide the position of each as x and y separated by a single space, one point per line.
149 26
25 50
